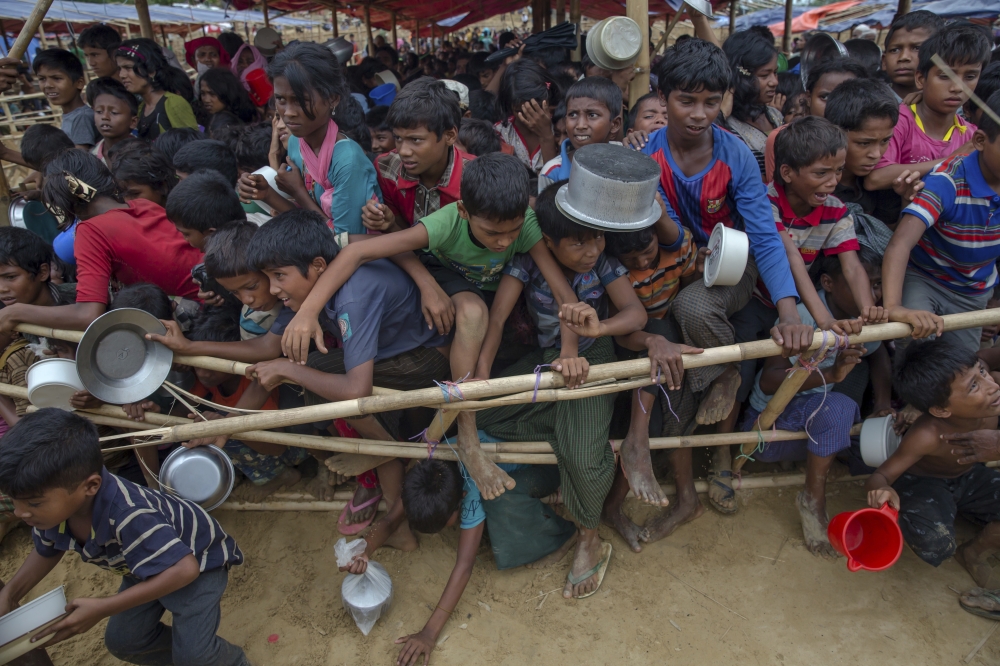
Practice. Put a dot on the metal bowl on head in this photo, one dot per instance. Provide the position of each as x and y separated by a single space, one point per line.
116 362
611 188
204 475
614 43
18 626
52 382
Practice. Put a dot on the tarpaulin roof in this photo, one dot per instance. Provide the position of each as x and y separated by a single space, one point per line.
964 8
809 20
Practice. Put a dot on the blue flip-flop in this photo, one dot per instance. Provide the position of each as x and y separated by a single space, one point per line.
600 569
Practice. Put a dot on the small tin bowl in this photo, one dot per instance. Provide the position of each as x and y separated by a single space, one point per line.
614 43
52 382
204 475
878 440
18 626
727 262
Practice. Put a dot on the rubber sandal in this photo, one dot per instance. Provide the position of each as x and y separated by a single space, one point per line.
354 528
600 569
729 492
981 612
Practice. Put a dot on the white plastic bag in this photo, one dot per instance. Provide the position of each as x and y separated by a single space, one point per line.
366 596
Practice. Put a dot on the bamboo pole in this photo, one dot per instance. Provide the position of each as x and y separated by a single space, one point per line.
732 17
560 11
786 39
638 11
145 24
42 38
336 26
574 18
368 27
267 16
395 39
674 20
788 389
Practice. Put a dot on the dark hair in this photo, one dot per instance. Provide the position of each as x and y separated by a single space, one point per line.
60 60
350 117
620 243
251 145
834 66
376 119
989 83
293 238
495 186
146 297
203 201
216 325
831 265
925 370
149 62
109 86
551 220
853 102
603 90
522 82
231 42
208 154
918 20
806 141
477 64
957 44
41 143
24 249
505 38
478 137
230 92
987 124
867 53
432 493
136 162
84 167
483 106
174 139
310 69
50 448
100 36
633 113
222 124
691 66
177 82
226 250
747 52
428 103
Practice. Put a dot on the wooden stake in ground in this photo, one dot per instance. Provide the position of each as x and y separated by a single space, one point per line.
638 11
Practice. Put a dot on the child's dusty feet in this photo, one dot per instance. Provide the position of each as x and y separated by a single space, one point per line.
554 498
402 539
361 497
814 524
721 397
554 557
586 557
985 600
321 486
490 479
253 493
684 510
975 563
638 468
614 516
720 486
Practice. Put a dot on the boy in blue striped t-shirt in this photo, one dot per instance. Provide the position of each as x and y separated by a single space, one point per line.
171 554
942 257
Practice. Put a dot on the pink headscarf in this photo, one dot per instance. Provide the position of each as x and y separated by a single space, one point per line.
259 62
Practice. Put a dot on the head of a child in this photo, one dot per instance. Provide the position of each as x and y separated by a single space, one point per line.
382 139
146 297
25 262
902 46
75 181
522 82
424 118
215 325
494 197
484 71
483 105
593 111
99 43
202 203
867 111
648 114
636 250
754 63
838 290
693 75
292 250
176 138
989 83
825 76
41 143
142 67
226 263
251 144
115 108
867 52
207 155
220 90
966 49
796 101
945 380
50 465
60 75
985 140
142 172
477 137
308 86
432 494
573 245
809 157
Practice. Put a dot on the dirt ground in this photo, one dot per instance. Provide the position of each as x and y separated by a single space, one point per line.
711 593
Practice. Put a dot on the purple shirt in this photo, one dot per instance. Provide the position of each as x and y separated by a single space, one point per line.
910 145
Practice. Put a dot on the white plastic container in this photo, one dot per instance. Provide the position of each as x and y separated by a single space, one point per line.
727 262
52 382
878 440
18 626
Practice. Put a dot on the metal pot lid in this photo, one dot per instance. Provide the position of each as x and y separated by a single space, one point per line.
204 475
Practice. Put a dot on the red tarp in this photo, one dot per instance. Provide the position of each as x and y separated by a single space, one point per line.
810 20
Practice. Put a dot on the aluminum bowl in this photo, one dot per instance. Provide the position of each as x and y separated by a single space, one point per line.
614 43
204 475
18 626
878 440
15 212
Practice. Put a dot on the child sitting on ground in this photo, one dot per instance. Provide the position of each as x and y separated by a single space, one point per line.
383 140
902 50
172 555
923 479
115 112
60 77
141 172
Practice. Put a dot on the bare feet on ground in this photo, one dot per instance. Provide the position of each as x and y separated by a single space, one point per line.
490 479
974 560
638 470
402 539
554 498
721 397
684 510
977 598
615 517
586 557
322 486
554 557
362 495
722 461
814 524
251 492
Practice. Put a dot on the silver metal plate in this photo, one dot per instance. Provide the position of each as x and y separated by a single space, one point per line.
204 475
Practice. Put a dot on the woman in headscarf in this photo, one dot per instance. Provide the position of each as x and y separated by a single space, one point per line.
205 53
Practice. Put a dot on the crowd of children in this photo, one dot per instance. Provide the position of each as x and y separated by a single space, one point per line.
338 245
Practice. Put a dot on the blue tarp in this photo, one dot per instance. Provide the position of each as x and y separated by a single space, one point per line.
964 8
163 14
767 16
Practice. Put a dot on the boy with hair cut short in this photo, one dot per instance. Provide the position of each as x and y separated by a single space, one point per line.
477 137
99 43
989 83
902 49
648 114
172 555
252 147
202 203
60 77
39 144
115 113
142 172
923 479
382 138
942 256
593 115
210 155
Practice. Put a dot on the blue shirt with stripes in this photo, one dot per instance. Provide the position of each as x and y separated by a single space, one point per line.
140 532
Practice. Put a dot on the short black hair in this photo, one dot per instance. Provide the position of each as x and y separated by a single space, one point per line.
293 238
226 250
58 59
867 53
425 102
855 101
432 493
918 20
41 143
987 124
216 325
175 138
495 186
230 41
831 265
483 106
989 83
136 162
222 124
747 52
957 44
48 449
203 201
376 118
311 69
523 81
805 141
603 90
620 243
85 167
925 370
551 220
478 137
789 85
146 297
834 66
633 113
477 64
251 145
350 117
211 155
100 36
24 249
693 65
109 86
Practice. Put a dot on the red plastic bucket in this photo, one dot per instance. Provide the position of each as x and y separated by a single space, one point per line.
260 87
869 538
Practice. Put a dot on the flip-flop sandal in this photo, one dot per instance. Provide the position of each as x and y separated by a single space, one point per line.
354 528
993 596
600 569
729 492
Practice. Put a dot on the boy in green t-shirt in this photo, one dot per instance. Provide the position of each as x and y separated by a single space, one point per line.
467 245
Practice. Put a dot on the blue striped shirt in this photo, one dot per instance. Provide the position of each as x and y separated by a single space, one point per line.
141 532
962 243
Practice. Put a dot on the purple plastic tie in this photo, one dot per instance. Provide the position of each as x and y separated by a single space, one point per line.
538 379
431 444
665 395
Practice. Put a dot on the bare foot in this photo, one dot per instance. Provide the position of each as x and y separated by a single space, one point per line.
490 479
814 524
402 539
554 557
588 554
615 517
977 566
362 495
638 469
320 487
977 597
721 397
720 487
254 493
554 498
684 510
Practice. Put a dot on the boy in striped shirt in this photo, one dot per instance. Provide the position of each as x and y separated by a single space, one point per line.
171 554
942 256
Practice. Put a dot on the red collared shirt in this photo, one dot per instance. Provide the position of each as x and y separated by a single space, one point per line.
411 200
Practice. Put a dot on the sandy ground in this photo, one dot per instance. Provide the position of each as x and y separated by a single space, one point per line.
711 593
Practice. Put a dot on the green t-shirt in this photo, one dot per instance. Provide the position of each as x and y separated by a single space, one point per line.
451 241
